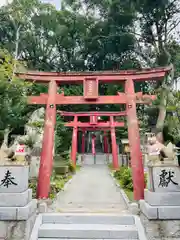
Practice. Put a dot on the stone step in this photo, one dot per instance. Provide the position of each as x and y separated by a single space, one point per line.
74 239
88 231
88 219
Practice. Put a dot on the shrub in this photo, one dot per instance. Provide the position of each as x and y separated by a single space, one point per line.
72 168
126 179
145 178
56 186
118 173
124 175
57 183
110 165
33 186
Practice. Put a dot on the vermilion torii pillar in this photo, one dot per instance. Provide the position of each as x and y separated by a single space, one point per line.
94 146
83 142
74 141
105 140
45 170
134 142
90 81
113 143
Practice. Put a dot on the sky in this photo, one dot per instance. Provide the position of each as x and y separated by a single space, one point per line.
54 2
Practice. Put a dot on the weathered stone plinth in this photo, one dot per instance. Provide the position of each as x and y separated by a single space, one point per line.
162 198
17 208
160 210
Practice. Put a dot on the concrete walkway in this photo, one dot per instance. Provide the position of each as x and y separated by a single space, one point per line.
91 190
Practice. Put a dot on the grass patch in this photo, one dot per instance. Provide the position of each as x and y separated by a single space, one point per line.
110 166
58 180
129 194
124 178
78 167
57 184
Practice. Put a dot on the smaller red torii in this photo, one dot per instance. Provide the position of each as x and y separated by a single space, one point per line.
83 130
93 124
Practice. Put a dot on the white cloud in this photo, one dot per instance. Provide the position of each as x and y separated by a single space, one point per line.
4 2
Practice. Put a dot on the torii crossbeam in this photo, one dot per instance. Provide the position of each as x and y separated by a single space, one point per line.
90 81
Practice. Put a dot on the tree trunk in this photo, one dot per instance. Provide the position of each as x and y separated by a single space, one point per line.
162 109
6 136
165 94
16 49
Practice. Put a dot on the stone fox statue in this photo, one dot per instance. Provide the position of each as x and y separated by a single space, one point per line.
8 156
162 144
178 156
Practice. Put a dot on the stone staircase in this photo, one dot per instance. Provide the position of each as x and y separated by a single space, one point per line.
54 226
89 159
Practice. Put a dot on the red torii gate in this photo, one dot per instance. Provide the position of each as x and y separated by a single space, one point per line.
94 124
90 81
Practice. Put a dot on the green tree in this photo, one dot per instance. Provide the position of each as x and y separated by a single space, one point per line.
156 24
13 99
83 35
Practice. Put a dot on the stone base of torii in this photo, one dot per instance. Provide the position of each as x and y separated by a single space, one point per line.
17 208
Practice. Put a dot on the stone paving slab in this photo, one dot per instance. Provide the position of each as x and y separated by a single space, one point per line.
91 188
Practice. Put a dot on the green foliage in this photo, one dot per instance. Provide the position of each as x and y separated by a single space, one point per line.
62 139
174 50
173 115
72 168
13 100
57 184
124 175
126 179
33 186
145 178
28 141
38 124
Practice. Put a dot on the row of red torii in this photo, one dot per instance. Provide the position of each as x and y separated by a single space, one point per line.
94 125
90 81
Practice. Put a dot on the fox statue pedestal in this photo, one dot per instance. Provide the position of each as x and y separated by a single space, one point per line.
17 209
162 198
160 210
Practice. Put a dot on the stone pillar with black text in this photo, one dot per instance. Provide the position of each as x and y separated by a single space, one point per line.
160 209
17 208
